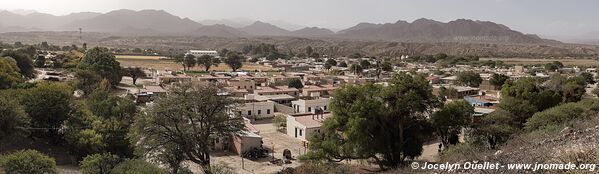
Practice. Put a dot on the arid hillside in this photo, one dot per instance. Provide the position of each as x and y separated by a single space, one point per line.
327 46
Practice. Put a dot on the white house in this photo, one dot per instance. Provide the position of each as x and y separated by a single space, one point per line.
257 110
198 53
309 106
305 126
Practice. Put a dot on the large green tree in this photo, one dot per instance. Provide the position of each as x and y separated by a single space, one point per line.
469 78
48 105
207 61
102 62
9 73
497 80
190 118
384 123
449 120
24 60
13 117
134 72
234 60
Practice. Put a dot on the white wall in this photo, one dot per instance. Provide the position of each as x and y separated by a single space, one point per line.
258 109
304 106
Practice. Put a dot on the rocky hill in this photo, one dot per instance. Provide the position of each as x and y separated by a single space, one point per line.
259 28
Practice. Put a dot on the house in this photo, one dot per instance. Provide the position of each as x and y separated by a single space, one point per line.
168 79
214 78
257 110
239 84
198 53
318 90
304 126
283 99
240 142
310 106
277 90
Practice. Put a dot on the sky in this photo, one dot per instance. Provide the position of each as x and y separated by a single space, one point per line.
557 18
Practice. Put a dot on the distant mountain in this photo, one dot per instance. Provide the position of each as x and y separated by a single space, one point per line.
259 28
312 31
286 25
161 23
218 31
234 22
13 22
121 20
426 30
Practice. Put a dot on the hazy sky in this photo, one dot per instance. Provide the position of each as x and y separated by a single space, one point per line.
544 17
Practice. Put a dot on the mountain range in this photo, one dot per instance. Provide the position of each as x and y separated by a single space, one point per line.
162 23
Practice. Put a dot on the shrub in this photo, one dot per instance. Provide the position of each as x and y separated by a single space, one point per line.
279 121
555 116
136 166
28 161
98 163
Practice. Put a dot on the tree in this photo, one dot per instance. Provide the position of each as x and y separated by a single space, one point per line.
343 64
446 93
365 64
553 66
497 127
24 61
48 105
180 59
189 61
98 163
356 69
86 80
84 46
469 78
28 161
103 63
9 73
40 61
134 73
279 121
101 124
18 45
234 60
497 80
309 51
327 66
331 62
384 123
136 166
190 117
12 116
588 77
295 83
449 120
386 66
207 61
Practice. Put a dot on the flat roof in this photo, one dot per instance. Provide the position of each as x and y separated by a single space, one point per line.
307 120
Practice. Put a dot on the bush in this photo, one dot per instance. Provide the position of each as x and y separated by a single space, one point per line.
28 161
219 169
329 168
136 166
555 116
279 121
98 163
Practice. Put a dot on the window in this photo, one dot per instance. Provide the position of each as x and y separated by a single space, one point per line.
300 132
259 112
325 107
249 112
309 109
267 111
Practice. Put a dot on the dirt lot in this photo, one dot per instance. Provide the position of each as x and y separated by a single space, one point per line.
531 61
162 64
140 57
270 137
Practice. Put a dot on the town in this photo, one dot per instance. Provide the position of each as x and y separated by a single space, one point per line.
283 105
299 87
